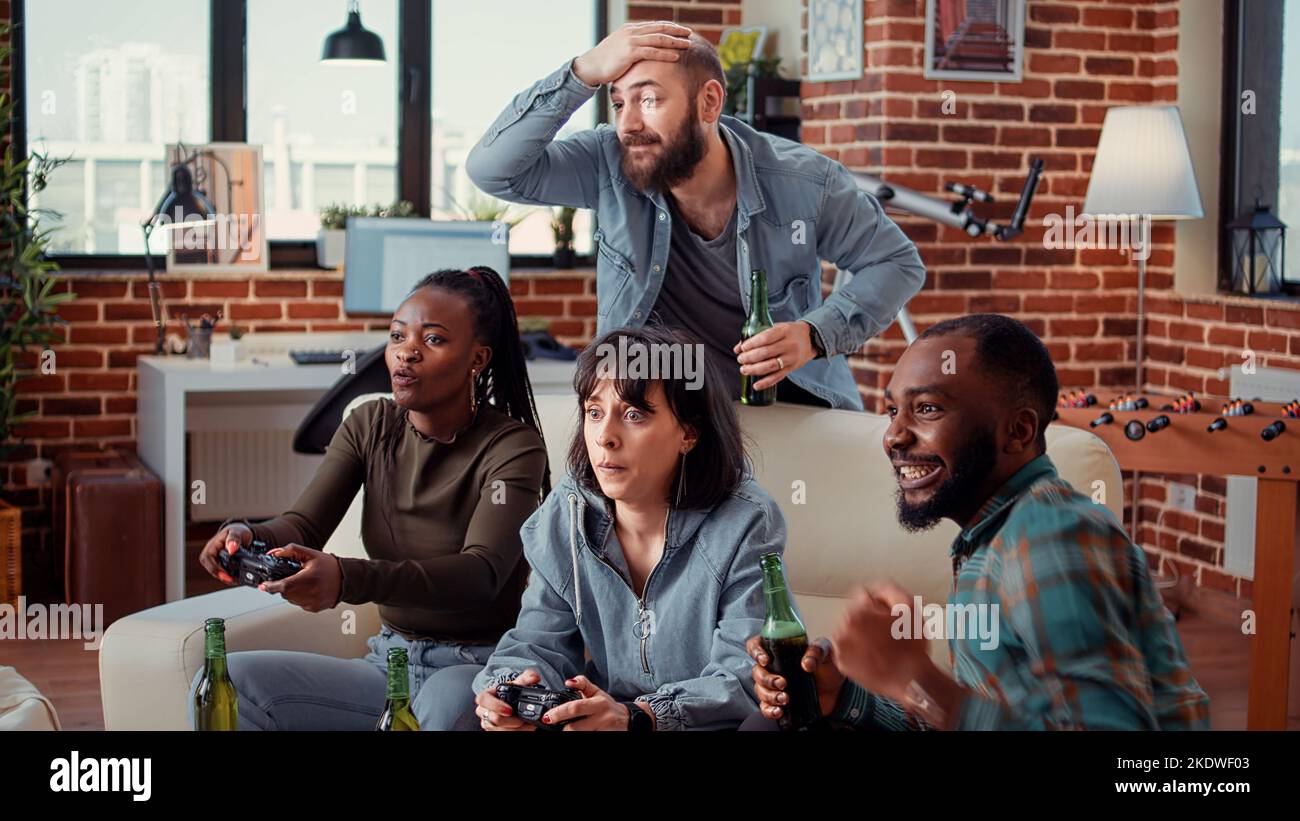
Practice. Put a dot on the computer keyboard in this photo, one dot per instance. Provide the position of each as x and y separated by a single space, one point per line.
315 357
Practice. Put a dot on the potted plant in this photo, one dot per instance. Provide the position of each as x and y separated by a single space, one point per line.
737 75
331 240
483 208
562 227
29 317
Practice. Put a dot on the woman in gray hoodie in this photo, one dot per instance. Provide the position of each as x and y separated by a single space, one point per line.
645 557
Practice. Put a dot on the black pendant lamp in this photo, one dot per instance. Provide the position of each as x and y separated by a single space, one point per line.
354 43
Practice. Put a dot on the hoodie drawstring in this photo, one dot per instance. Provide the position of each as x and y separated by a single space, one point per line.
573 555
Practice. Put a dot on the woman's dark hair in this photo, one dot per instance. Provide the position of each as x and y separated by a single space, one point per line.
503 383
718 461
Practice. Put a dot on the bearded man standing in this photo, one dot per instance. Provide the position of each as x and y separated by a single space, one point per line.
689 201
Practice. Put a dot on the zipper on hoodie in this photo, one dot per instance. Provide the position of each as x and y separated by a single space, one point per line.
640 607
640 600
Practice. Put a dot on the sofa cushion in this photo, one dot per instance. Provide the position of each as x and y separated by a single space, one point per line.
828 472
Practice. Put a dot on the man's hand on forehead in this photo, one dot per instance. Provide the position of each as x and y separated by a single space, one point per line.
659 40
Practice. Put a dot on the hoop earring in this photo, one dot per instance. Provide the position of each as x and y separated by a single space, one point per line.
681 479
473 393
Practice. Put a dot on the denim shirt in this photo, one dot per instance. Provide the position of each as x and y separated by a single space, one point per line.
795 208
680 647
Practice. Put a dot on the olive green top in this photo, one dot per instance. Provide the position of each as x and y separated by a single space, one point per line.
452 566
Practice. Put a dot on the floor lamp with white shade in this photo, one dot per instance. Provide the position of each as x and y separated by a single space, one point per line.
1142 171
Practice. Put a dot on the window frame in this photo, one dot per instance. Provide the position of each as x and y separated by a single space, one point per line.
1233 181
228 101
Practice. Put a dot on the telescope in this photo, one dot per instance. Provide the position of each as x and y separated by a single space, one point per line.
955 214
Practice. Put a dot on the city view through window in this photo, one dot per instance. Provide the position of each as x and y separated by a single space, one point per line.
110 86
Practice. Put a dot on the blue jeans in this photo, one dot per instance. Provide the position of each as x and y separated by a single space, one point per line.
289 690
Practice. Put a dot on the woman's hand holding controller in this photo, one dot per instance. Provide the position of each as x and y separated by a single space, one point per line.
229 539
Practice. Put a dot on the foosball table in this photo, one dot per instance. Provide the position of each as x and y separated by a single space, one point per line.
1236 437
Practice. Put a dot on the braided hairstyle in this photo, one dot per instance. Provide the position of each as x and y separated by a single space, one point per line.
503 383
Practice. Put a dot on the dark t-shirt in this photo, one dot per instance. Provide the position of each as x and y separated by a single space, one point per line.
701 295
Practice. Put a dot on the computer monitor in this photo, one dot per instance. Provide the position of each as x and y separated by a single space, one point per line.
387 256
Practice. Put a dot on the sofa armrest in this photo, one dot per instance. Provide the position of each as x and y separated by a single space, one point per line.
22 707
147 659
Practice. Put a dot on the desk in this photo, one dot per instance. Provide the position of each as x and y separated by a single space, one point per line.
168 386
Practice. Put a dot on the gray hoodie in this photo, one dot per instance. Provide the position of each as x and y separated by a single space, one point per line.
681 649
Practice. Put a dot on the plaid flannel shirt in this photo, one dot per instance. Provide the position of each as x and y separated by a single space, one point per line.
1085 641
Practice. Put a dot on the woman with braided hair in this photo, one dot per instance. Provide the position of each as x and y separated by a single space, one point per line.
452 465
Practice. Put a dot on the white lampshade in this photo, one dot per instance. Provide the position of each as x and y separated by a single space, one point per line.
1143 166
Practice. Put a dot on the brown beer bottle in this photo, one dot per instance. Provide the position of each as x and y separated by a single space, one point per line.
759 320
785 641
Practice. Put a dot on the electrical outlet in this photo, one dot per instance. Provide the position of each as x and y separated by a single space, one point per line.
38 472
1182 497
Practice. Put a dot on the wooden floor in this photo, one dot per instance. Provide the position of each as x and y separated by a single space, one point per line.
69 674
66 672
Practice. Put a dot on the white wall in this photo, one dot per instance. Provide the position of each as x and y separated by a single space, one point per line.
1200 96
783 19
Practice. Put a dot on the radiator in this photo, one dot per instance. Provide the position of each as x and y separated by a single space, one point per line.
247 472
1269 385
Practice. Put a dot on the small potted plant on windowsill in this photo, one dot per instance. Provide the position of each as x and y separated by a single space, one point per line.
562 227
331 240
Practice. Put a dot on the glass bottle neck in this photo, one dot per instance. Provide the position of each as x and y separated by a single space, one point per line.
399 688
214 651
758 294
777 597
214 644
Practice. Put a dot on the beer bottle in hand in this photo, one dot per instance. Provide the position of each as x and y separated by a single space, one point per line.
759 320
785 641
397 713
215 702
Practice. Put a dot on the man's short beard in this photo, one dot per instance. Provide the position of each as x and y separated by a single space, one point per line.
975 460
681 153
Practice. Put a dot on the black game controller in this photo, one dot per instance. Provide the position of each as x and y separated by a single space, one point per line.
252 566
530 703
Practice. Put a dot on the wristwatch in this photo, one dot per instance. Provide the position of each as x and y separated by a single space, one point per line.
819 346
638 720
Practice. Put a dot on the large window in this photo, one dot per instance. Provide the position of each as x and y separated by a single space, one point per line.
111 84
328 133
1261 107
108 88
484 53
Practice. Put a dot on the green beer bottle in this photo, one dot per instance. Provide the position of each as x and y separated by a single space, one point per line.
215 702
785 641
759 320
397 713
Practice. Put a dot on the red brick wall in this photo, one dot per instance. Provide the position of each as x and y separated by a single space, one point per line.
708 17
1080 58
89 401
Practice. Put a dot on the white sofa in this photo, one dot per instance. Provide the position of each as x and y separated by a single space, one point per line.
841 532
22 707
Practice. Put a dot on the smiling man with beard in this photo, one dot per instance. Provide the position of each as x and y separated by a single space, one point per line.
1084 642
689 201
